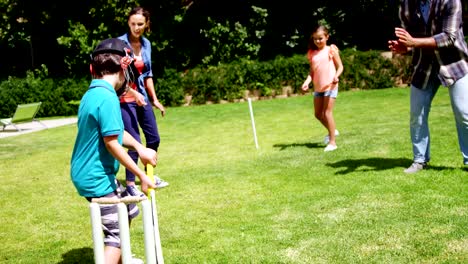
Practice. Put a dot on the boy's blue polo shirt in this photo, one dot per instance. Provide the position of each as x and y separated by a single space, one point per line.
93 168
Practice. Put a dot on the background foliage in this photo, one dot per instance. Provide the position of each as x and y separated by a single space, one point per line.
184 34
286 202
203 50
231 82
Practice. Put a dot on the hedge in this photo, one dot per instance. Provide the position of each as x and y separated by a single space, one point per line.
226 82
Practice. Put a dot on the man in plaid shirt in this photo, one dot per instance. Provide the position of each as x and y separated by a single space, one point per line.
433 31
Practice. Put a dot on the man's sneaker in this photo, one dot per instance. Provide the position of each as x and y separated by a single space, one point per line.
133 191
326 140
160 183
415 167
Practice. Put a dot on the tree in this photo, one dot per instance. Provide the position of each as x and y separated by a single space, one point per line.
185 33
104 19
16 34
230 41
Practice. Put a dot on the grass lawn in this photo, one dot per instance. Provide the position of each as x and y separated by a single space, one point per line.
286 202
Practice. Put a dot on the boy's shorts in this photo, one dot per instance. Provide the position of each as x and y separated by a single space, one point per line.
110 219
330 93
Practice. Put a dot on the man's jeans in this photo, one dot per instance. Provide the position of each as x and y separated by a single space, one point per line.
419 112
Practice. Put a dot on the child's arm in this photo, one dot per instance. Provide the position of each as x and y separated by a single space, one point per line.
338 63
146 155
305 85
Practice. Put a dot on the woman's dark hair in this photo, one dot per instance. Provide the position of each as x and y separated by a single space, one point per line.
141 11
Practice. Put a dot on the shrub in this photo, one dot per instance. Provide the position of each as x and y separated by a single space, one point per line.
366 70
362 70
56 95
169 88
291 71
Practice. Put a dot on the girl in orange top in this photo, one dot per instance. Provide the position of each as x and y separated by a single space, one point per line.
325 68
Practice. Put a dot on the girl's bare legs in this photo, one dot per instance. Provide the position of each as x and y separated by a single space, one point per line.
319 113
323 107
328 105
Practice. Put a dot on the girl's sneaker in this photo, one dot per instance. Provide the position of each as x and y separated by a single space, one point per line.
326 140
330 148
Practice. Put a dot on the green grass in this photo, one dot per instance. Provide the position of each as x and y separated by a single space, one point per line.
287 202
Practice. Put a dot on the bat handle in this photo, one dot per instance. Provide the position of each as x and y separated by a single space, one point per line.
150 174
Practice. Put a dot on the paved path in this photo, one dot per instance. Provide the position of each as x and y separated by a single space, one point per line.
35 126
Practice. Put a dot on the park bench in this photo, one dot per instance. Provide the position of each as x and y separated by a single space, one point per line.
24 113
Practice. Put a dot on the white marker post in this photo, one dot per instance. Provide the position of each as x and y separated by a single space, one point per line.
253 122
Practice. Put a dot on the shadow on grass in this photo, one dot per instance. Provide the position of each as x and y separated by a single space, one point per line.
307 145
79 255
376 164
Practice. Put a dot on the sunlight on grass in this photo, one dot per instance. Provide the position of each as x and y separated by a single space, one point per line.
286 202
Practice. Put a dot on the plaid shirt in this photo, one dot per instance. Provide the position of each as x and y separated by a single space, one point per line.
445 25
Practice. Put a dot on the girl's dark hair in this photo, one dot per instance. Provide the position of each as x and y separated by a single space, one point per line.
312 46
141 11
318 27
106 63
